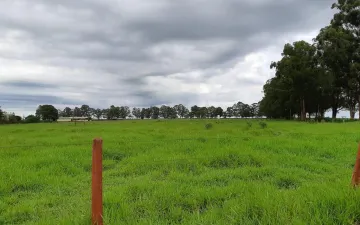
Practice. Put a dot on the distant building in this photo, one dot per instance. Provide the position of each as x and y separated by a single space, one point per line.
70 119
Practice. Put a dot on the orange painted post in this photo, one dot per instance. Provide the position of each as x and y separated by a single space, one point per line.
96 198
355 180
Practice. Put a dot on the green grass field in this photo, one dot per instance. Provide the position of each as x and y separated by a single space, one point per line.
178 172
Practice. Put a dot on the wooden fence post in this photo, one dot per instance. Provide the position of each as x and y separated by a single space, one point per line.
355 180
97 203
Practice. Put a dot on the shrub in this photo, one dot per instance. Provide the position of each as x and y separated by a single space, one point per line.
208 126
248 124
287 183
312 121
262 124
339 120
201 139
32 119
14 119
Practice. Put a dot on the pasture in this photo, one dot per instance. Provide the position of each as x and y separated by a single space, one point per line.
179 172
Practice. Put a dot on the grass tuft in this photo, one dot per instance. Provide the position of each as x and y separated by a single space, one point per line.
287 183
208 126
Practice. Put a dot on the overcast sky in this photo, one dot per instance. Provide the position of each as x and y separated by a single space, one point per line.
142 53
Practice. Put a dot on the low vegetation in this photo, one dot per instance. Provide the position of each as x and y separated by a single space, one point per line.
177 172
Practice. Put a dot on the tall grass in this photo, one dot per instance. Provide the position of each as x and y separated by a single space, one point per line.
177 172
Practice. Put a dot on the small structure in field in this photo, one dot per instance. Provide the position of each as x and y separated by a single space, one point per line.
73 119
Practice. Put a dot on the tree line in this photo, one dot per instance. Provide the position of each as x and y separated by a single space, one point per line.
324 75
240 109
50 113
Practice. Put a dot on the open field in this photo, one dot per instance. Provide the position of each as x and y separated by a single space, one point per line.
172 172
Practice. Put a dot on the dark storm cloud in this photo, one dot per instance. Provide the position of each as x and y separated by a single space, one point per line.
133 41
14 100
27 84
101 33
229 19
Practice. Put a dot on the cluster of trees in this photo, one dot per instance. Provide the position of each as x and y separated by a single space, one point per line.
312 78
168 112
8 118
49 113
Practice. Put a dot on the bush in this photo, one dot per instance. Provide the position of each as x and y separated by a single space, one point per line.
347 120
312 121
262 124
248 124
208 126
339 120
32 119
14 119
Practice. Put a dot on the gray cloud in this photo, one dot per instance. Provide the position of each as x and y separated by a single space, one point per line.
187 20
145 52
20 100
27 84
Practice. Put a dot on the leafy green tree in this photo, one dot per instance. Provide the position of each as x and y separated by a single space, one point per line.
143 113
187 114
181 110
32 119
334 55
347 22
277 101
163 111
147 113
1 115
241 109
246 111
195 111
229 112
297 71
238 109
136 112
219 112
97 113
124 112
191 115
172 114
302 84
113 112
167 112
203 112
155 111
60 112
85 111
67 112
211 112
77 112
47 113
12 118
254 110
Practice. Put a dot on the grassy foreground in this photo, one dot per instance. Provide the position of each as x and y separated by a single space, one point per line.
172 172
